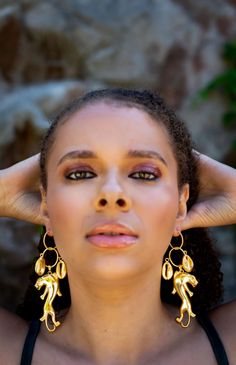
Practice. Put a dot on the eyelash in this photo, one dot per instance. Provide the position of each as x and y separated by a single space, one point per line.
142 172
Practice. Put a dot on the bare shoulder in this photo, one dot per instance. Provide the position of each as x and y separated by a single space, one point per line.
224 319
13 330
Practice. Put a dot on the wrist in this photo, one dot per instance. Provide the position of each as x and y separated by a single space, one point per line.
7 192
3 194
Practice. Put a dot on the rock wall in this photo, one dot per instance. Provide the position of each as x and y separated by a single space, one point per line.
51 51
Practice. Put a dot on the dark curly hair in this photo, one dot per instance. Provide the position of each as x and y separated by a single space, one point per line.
208 292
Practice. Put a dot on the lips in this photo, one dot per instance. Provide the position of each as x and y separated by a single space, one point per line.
112 235
112 228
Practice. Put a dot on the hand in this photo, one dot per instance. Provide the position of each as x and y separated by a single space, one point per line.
216 205
19 191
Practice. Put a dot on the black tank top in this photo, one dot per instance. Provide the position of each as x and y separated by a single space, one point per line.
216 343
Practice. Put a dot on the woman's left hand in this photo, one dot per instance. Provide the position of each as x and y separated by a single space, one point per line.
216 204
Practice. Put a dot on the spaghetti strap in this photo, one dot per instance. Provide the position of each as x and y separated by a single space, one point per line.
216 343
30 340
203 319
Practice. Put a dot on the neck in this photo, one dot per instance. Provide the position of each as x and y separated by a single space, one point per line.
120 323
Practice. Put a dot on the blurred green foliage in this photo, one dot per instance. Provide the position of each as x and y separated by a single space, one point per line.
225 84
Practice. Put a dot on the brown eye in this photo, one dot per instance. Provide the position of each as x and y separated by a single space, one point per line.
80 175
145 175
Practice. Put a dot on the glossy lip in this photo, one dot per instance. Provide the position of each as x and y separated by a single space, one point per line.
112 227
126 237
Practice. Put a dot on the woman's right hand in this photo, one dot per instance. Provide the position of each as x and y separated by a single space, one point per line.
19 191
20 194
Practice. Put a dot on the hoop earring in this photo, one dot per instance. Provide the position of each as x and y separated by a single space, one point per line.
181 279
51 282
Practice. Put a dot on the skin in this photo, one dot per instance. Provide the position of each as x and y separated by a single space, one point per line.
20 194
105 325
217 199
106 284
20 191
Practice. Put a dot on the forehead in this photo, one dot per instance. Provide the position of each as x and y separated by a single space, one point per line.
108 128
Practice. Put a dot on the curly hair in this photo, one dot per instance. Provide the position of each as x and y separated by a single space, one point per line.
209 291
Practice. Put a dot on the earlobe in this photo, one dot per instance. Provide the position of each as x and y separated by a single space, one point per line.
44 212
182 209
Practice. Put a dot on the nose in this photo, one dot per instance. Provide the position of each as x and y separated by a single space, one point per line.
111 196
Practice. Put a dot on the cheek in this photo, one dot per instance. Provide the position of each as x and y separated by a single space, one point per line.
67 208
163 212
160 217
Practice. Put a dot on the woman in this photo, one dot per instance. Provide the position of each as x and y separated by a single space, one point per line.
118 184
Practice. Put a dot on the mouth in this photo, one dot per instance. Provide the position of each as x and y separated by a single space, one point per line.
112 236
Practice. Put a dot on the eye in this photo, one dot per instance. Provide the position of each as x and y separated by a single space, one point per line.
145 175
80 175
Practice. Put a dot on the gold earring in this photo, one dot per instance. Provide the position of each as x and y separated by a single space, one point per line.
51 282
182 278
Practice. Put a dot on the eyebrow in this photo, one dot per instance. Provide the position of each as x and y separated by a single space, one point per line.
87 154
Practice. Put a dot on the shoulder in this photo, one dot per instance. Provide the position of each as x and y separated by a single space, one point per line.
13 330
224 320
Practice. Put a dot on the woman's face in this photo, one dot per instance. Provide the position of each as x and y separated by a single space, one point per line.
127 176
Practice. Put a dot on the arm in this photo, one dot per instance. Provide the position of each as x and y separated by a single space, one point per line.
19 191
216 205
20 197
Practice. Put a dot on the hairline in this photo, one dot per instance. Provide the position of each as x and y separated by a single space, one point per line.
79 104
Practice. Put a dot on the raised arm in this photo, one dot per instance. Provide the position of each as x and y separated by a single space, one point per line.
19 191
20 196
216 205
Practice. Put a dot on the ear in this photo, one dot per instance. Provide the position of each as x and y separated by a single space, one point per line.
182 208
44 211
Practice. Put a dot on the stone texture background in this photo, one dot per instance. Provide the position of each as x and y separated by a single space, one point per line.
53 50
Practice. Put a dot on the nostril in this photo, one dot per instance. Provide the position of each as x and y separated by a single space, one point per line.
102 202
121 202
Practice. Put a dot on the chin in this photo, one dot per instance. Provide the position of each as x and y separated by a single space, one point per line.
112 269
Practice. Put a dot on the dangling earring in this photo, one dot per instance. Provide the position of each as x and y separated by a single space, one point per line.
51 282
180 281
